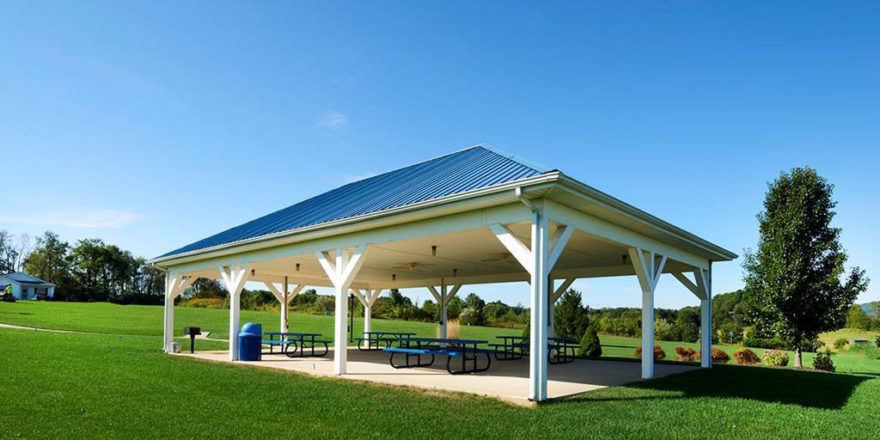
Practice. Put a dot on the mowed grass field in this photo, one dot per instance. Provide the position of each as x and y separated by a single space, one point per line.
147 321
116 383
97 386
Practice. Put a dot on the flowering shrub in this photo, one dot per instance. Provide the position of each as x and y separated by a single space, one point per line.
685 354
658 353
719 356
775 358
744 356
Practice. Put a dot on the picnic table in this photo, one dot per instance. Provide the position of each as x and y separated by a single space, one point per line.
562 350
421 352
299 341
373 340
511 347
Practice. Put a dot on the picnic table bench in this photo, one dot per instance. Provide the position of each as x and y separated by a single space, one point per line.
375 340
300 343
421 352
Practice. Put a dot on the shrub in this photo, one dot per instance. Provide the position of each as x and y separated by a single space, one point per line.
775 358
744 356
205 303
469 316
590 344
324 304
822 361
685 354
453 329
840 343
659 354
663 330
719 356
877 341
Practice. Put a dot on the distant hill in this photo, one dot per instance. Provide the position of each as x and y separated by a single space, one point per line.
871 307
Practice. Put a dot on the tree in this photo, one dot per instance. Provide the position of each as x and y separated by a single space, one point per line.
857 318
13 251
474 301
49 261
570 316
793 281
590 345
453 309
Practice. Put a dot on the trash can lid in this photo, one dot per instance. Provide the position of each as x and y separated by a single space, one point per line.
252 328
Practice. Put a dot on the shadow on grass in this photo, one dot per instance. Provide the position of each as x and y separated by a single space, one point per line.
771 385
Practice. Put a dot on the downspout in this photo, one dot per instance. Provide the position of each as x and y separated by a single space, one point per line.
525 201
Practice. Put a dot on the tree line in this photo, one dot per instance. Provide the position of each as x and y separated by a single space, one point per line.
88 270
796 284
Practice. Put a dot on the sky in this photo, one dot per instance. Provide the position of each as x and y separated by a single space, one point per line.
152 125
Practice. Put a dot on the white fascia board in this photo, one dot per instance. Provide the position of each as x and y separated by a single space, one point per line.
510 213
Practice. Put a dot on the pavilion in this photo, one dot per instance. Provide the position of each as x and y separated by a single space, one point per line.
474 216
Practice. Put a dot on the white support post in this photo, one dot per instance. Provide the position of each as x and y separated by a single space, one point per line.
648 270
704 281
538 260
368 310
284 296
702 288
443 297
175 284
234 278
282 325
538 352
341 273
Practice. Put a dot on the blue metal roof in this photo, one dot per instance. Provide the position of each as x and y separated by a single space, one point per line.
21 277
466 170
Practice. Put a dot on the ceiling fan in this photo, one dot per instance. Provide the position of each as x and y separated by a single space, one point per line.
414 266
505 257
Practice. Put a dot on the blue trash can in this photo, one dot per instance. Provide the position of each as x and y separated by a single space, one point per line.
250 342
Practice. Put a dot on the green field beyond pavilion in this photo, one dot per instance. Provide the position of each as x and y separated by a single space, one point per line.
114 381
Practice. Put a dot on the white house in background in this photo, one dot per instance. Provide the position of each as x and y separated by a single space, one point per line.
25 286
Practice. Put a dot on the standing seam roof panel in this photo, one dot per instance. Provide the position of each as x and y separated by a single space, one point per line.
466 170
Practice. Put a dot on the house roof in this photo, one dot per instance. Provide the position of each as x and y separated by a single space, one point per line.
462 171
23 278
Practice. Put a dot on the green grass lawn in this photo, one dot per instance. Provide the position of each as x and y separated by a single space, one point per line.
101 386
147 321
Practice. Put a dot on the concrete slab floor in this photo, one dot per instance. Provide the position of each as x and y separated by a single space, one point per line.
506 380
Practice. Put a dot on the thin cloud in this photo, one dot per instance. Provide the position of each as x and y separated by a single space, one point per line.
98 219
332 121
